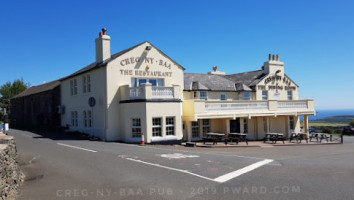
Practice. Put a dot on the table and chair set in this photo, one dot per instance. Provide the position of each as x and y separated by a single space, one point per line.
214 138
296 137
226 138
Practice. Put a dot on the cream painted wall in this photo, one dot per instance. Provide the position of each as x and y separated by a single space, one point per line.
79 103
117 78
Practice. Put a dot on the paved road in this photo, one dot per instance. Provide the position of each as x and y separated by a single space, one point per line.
68 167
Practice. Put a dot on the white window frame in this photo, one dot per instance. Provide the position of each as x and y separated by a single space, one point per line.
89 119
205 127
221 97
86 84
158 126
74 121
85 118
136 127
73 87
205 97
291 122
195 129
290 95
170 128
264 96
245 125
245 98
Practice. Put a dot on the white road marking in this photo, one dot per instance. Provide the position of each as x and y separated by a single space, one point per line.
244 170
34 158
170 168
177 156
220 179
66 145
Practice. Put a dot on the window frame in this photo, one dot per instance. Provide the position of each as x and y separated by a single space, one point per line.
290 95
136 133
205 127
202 96
244 97
156 127
195 127
245 125
225 97
264 96
291 122
168 126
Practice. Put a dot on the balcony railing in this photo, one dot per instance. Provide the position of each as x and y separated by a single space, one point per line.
136 93
292 104
162 92
235 106
247 107
146 91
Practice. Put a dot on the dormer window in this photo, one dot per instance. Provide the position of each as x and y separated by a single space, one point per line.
223 97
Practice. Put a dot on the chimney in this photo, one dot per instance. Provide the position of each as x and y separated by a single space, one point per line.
274 66
103 46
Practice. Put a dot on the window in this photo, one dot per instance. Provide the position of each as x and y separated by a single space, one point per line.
74 121
264 95
290 95
85 119
245 126
203 95
136 82
136 127
223 97
206 126
291 123
170 126
89 118
73 87
246 96
195 129
156 127
86 84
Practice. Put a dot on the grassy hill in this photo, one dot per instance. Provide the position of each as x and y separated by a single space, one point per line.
337 119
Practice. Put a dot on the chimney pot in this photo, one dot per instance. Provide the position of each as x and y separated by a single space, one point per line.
100 34
104 30
273 58
270 56
277 57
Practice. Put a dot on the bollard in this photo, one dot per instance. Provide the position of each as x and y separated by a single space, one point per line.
142 142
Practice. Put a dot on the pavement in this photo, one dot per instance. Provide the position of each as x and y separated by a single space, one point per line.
59 166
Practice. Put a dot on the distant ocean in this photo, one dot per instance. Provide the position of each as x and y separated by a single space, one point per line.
329 113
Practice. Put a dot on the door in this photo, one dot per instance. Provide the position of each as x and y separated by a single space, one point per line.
235 126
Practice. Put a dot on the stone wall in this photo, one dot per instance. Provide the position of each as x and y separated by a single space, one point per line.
10 174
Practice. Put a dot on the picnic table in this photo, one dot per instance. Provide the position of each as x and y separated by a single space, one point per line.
319 136
274 137
213 137
238 137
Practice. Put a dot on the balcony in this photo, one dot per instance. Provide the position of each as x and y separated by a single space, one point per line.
219 109
146 91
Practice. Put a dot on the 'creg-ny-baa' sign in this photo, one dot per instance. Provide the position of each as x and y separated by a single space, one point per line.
147 60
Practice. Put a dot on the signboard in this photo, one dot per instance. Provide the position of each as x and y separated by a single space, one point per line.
92 101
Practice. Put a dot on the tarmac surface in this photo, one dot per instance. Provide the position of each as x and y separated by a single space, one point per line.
61 166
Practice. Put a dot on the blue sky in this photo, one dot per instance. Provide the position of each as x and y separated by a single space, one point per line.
45 40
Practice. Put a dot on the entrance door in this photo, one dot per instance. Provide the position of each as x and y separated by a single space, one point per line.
235 126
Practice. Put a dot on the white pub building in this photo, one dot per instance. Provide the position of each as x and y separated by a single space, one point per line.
141 89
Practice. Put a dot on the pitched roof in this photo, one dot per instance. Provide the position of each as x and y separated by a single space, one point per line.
249 79
234 82
207 82
38 89
95 65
